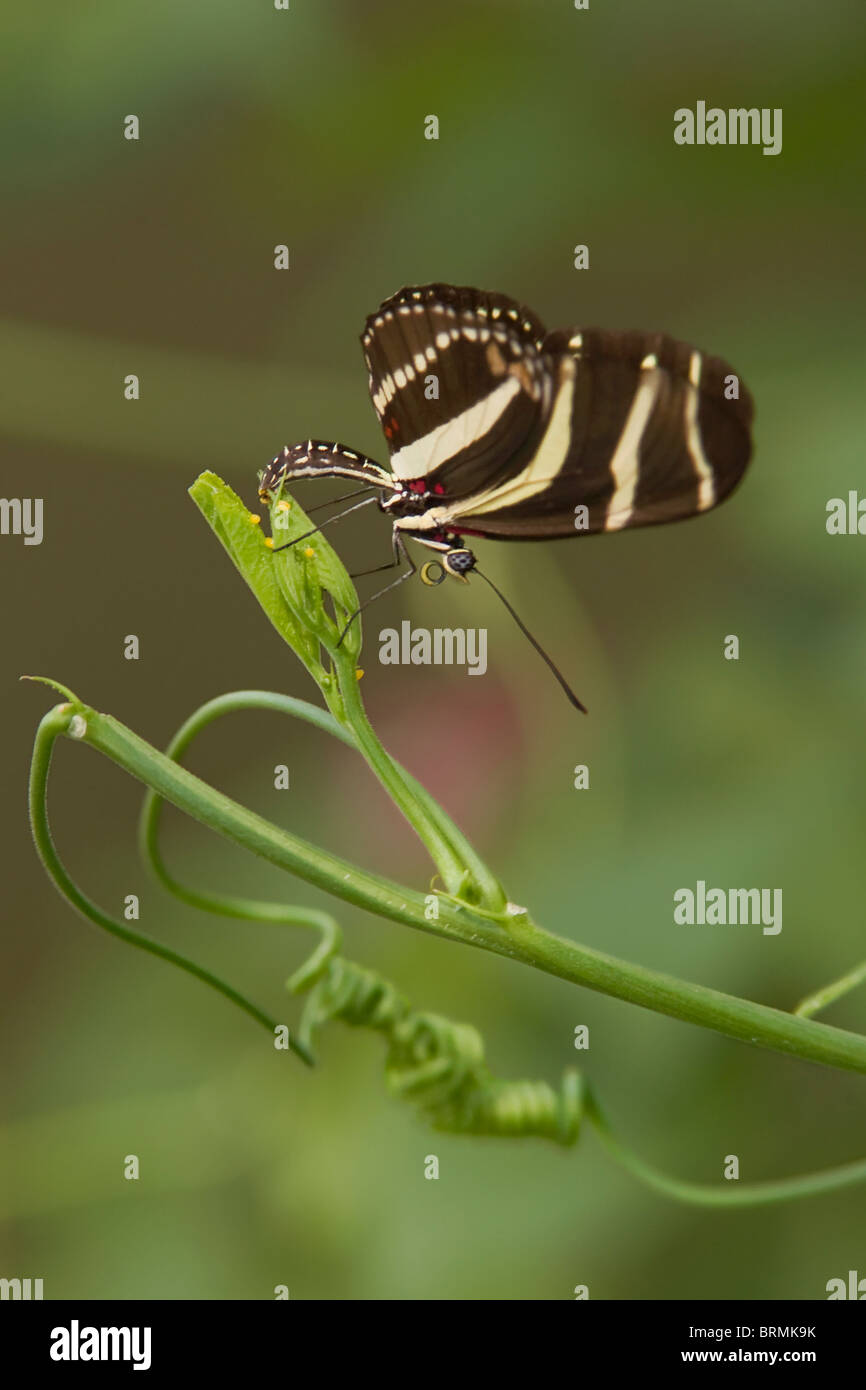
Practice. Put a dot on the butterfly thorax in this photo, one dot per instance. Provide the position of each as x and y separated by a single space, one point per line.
412 498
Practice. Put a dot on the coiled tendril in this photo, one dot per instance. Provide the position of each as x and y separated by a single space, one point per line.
434 1063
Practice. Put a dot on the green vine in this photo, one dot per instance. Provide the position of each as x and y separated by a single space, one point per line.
430 1061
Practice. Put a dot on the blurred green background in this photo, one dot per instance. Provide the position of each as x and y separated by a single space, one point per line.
306 127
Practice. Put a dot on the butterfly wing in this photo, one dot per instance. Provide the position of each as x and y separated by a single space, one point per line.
458 379
641 430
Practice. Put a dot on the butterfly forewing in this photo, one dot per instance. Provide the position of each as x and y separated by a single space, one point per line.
459 382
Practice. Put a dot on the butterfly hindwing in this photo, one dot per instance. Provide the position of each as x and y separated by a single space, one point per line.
642 429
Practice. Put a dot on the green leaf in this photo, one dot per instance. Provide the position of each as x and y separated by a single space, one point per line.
238 530
309 574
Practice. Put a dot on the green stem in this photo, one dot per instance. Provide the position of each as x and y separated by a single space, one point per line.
813 1003
732 1195
450 850
291 852
725 1013
249 909
431 835
515 937
57 722
301 709
151 815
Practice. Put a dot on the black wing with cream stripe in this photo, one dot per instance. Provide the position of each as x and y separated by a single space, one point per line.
641 431
460 383
511 428
497 428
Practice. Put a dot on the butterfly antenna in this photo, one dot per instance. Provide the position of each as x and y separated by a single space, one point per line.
328 519
537 645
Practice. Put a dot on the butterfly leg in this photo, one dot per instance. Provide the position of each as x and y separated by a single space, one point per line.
400 553
377 569
332 501
327 522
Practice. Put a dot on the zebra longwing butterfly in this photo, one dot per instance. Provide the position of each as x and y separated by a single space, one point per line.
498 428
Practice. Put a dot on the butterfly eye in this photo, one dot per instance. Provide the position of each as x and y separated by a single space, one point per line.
458 562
